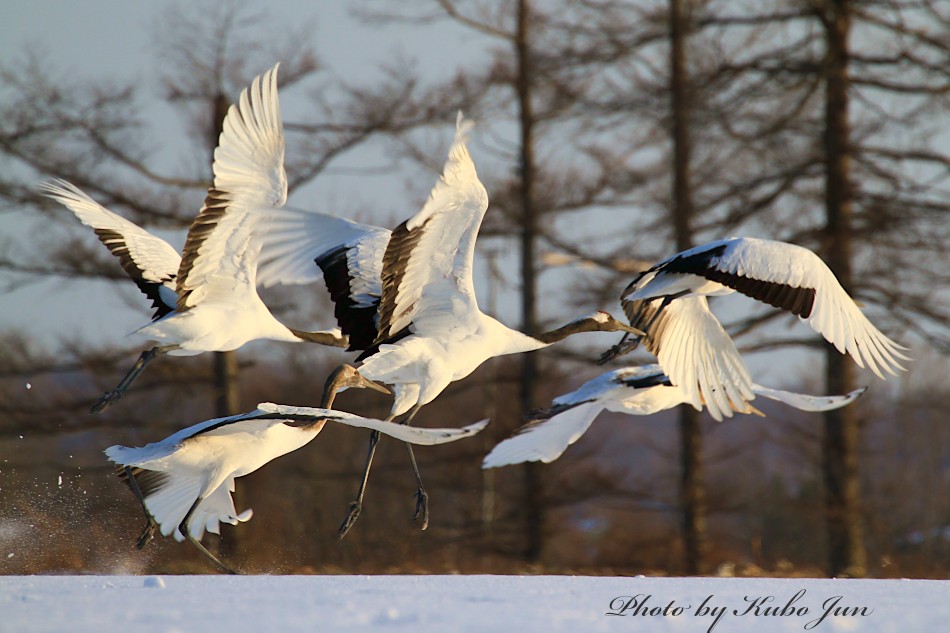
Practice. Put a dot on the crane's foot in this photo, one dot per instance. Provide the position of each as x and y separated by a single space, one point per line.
147 534
422 508
618 350
355 508
108 399
214 559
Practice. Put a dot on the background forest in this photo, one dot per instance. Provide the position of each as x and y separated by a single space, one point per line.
610 134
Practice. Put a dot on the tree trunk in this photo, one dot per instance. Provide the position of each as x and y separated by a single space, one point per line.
226 397
534 507
692 494
227 401
846 553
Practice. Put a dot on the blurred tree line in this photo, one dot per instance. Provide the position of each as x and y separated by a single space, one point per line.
610 134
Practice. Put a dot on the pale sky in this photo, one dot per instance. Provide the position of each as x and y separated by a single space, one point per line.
102 38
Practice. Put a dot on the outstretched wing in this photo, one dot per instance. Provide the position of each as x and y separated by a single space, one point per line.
221 250
409 434
806 402
149 261
299 245
295 238
427 268
545 437
789 277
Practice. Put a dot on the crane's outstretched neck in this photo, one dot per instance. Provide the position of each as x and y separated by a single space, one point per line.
597 322
331 339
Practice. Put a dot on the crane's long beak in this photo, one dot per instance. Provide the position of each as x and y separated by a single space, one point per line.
632 330
375 386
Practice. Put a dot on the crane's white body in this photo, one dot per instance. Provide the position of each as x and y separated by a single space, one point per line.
206 465
640 390
203 460
420 367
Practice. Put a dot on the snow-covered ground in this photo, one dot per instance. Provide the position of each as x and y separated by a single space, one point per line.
523 604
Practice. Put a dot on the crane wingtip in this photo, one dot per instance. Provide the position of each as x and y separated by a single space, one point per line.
463 128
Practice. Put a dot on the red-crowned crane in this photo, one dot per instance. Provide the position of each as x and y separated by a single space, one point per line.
642 390
207 300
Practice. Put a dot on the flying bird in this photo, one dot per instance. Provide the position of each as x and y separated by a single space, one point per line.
184 482
783 275
429 330
639 390
207 300
669 302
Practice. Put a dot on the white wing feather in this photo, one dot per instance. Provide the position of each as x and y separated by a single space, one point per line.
546 440
216 508
701 358
249 180
835 314
155 257
410 434
293 239
438 273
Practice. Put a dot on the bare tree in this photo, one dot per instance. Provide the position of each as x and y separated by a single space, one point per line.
691 486
92 136
596 150
855 100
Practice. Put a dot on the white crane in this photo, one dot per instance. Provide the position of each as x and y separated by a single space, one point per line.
429 329
642 390
669 302
207 300
184 482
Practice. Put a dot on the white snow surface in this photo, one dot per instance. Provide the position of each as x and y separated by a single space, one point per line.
525 604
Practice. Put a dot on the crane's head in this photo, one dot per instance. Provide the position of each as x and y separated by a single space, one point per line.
601 321
344 377
351 377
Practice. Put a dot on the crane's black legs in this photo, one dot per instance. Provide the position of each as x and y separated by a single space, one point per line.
111 397
356 506
619 349
150 525
334 382
421 496
623 347
183 528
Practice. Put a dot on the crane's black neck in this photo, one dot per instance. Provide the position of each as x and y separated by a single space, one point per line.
321 338
574 327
